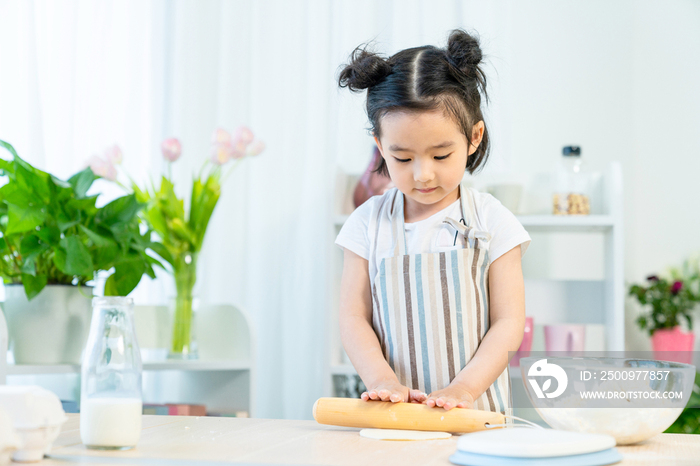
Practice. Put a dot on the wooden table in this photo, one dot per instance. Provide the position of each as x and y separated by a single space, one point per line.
181 440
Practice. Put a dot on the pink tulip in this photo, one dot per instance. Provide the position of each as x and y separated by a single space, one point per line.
103 168
113 154
237 150
172 149
255 148
243 135
221 153
221 136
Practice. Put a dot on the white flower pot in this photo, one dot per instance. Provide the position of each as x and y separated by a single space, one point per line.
52 328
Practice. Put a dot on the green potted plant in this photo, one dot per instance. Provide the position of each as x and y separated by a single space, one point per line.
182 231
670 301
54 241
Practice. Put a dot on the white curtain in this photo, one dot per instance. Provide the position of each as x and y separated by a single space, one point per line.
273 65
80 75
76 76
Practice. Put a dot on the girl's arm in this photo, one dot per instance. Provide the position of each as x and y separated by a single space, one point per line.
507 325
358 337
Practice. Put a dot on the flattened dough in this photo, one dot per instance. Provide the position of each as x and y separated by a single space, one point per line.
391 434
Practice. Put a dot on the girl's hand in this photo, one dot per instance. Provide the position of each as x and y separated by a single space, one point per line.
395 392
453 396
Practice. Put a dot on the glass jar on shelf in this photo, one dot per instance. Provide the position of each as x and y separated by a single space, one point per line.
111 402
571 187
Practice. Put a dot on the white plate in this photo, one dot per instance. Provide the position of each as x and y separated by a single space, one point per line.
528 442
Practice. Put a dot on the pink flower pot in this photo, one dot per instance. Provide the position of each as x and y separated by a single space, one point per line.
526 344
673 345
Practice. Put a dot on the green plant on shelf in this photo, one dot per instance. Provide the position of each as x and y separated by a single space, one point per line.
54 234
670 300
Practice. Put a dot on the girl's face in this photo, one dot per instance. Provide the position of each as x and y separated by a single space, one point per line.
426 155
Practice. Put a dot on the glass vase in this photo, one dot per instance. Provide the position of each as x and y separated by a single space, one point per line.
183 344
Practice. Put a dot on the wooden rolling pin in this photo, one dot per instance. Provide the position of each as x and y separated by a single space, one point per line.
349 412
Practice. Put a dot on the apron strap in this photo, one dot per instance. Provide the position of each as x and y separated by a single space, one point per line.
470 233
468 206
468 229
398 225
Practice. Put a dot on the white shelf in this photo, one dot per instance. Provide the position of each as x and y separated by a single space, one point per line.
223 379
567 223
36 369
32 369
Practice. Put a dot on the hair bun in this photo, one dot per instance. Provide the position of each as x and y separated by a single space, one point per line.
463 49
365 70
464 56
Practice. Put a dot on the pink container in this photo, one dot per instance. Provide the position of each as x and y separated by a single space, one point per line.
564 338
526 344
673 345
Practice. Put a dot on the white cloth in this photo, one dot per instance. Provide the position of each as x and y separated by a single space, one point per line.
367 225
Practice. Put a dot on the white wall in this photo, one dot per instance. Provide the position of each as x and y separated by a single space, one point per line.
618 78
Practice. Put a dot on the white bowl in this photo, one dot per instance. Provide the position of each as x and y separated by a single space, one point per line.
37 416
628 425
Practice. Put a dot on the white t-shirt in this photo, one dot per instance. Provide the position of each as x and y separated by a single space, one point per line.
371 223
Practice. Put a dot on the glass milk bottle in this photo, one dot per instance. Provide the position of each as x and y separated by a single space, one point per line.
111 399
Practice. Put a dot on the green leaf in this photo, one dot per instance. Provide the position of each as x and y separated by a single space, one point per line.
81 182
126 276
162 251
182 231
73 258
33 285
107 356
173 207
149 269
125 234
111 286
155 218
59 183
49 235
203 202
11 194
9 147
21 220
85 204
120 210
32 246
29 267
32 181
104 249
97 239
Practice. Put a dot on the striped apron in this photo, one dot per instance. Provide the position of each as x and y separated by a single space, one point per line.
431 311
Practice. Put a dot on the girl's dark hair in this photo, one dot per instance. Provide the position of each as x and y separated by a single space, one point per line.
423 79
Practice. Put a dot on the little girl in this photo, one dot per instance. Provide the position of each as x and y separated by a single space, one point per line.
432 296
